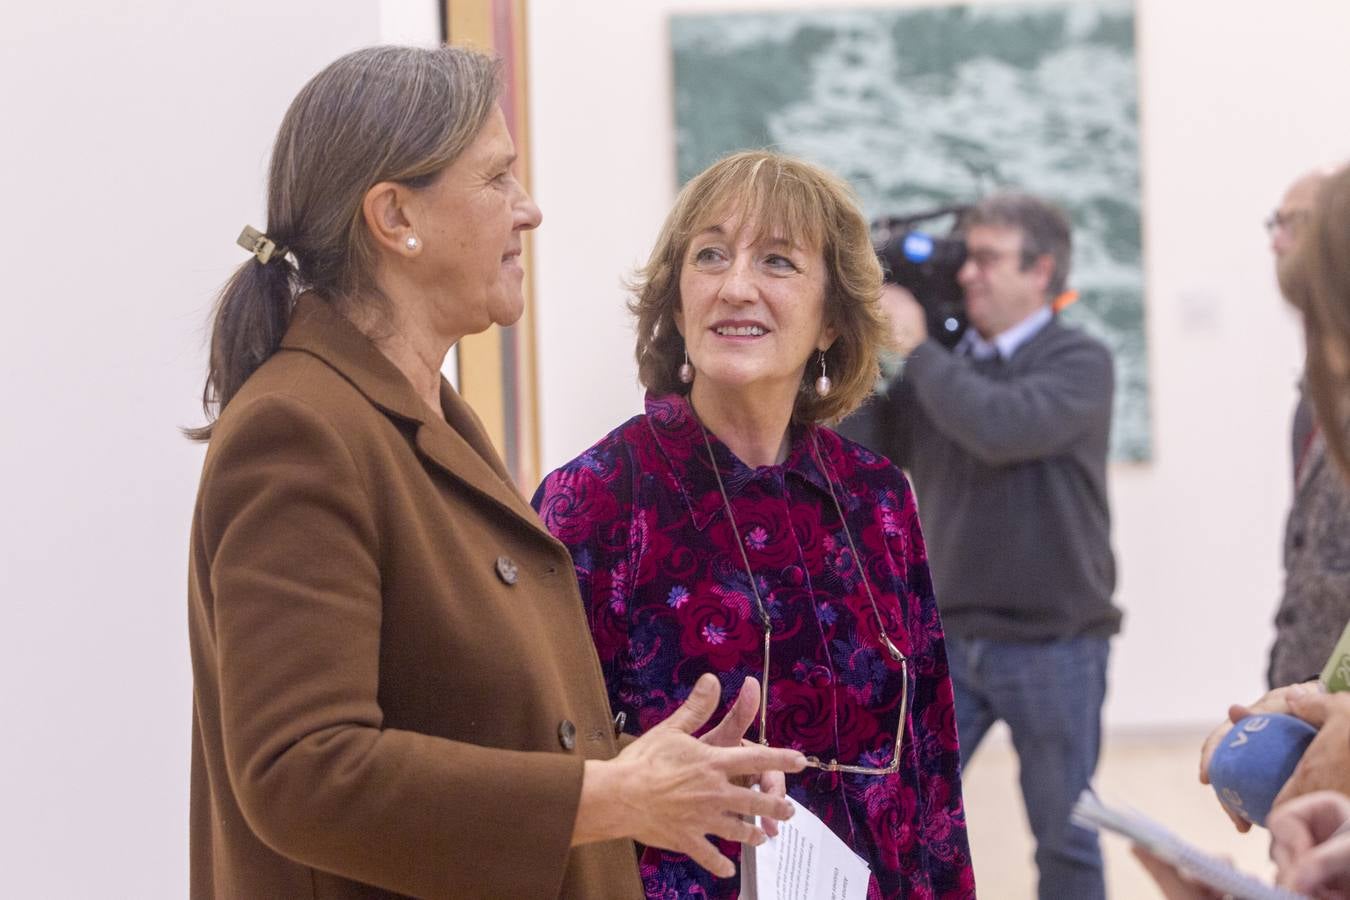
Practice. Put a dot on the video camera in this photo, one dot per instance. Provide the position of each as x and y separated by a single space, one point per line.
926 266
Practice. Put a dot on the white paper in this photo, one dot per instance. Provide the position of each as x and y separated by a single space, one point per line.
806 861
1211 871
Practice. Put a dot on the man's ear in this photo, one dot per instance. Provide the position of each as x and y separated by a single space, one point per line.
389 219
1044 270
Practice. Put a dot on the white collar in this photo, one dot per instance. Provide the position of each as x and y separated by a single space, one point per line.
1006 343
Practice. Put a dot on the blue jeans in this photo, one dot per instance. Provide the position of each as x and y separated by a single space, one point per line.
1050 694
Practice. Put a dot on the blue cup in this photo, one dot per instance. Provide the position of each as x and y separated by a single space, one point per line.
1255 759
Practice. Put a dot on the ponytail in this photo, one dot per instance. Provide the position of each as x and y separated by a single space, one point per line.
398 114
251 316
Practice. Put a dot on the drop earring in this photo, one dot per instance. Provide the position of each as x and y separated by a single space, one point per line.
823 384
686 370
412 243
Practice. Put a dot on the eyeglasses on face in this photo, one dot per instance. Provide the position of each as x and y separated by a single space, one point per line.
1285 220
985 258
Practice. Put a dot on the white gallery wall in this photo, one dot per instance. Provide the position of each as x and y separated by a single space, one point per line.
1236 100
136 143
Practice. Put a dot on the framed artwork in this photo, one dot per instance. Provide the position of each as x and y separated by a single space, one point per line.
497 368
924 107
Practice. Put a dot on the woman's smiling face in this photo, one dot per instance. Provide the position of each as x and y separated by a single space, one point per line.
752 307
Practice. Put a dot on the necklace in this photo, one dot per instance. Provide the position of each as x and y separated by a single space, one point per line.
885 638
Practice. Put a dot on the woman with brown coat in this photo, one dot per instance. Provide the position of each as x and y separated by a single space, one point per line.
395 692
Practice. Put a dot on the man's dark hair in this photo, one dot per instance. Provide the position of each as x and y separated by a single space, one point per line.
1044 227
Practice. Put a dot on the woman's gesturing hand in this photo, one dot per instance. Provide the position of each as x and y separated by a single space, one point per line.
670 790
728 733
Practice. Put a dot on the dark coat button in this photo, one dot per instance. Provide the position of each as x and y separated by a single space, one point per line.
507 570
567 734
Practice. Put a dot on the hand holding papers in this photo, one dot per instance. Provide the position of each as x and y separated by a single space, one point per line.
1166 846
806 861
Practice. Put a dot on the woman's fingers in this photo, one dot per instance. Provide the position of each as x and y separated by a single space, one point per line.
708 856
753 759
767 765
751 803
729 731
698 708
687 789
684 789
734 828
728 828
745 803
772 784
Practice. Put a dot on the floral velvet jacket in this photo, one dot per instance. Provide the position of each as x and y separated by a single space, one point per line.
668 599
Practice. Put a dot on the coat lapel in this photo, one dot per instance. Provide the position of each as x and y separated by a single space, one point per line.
459 445
456 444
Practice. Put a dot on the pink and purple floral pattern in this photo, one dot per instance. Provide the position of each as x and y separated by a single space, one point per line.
668 599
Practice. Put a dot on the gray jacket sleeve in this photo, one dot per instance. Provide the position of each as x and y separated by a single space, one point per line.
900 423
1034 414
884 424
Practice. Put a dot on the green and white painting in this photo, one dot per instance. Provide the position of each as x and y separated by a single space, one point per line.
921 107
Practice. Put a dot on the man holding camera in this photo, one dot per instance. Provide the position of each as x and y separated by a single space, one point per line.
1006 438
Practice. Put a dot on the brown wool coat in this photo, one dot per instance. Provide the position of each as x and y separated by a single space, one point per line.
394 684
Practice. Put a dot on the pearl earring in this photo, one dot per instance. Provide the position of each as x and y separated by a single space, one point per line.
686 370
823 384
412 243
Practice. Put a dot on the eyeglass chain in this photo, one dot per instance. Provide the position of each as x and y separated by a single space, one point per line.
886 641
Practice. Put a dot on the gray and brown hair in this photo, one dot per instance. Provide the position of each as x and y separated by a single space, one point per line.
397 114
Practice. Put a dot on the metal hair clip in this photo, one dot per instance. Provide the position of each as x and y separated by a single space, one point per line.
259 244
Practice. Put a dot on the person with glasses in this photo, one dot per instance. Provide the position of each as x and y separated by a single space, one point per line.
1315 603
1006 437
1309 822
726 530
1288 219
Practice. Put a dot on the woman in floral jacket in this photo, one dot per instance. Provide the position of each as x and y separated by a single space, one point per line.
726 531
